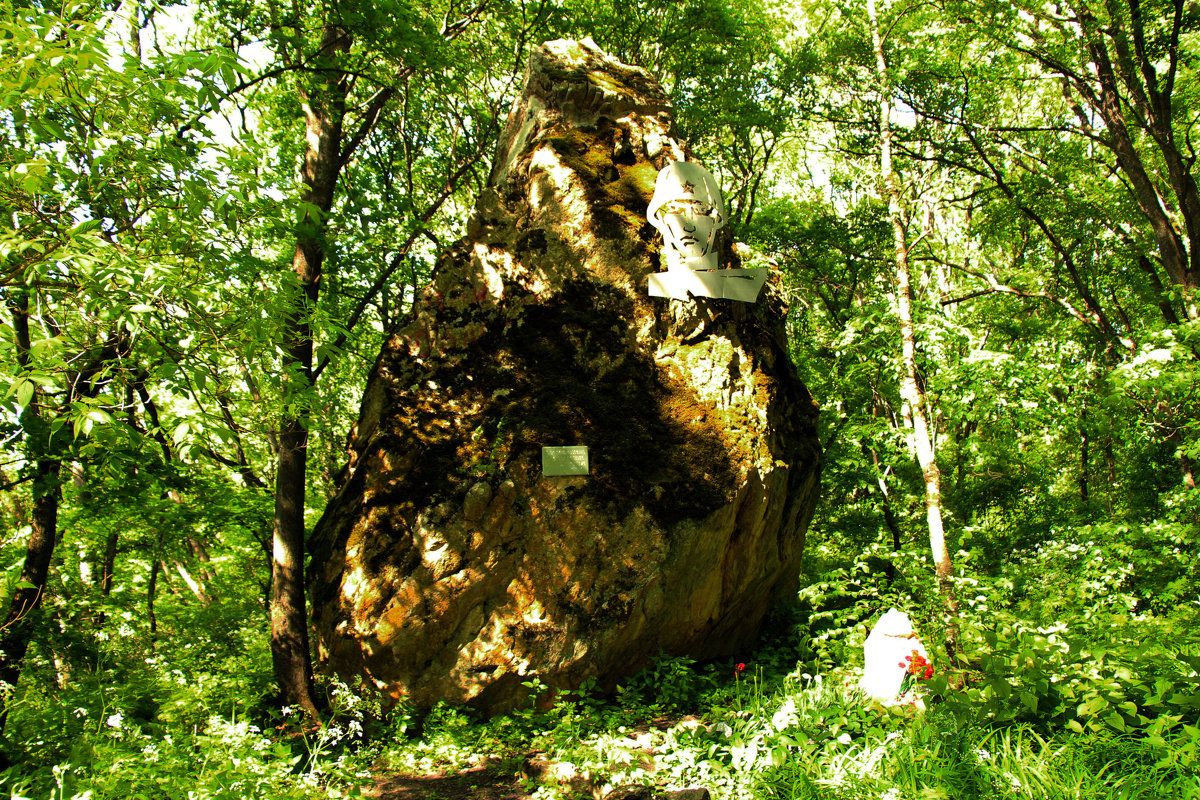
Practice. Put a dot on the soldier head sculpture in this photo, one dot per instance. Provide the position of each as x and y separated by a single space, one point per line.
687 209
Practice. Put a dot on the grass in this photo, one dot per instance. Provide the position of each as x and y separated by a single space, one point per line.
794 737
776 730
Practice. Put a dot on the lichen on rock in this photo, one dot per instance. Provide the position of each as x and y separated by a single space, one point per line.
448 567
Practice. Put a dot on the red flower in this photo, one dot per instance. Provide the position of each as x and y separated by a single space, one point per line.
918 666
739 667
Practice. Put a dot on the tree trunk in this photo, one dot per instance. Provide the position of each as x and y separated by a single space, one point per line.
324 108
203 560
1084 456
32 583
889 514
108 563
1110 462
911 392
193 584
290 655
151 590
328 148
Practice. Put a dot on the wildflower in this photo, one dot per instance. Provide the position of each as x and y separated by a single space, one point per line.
739 667
916 668
115 720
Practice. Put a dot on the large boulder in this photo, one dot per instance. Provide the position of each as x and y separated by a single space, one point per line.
449 566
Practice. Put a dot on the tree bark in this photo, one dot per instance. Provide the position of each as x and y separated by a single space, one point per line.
32 583
151 591
885 504
108 563
911 391
1084 456
324 108
196 586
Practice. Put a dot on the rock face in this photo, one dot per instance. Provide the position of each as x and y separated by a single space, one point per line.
448 567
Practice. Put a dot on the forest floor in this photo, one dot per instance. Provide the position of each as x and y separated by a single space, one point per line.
510 778
490 782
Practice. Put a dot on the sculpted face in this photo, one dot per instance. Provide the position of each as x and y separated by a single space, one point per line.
687 209
689 226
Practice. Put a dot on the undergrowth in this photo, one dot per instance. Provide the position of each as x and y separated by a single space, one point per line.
1107 709
1098 702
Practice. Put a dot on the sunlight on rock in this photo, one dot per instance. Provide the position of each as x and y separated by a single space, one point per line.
450 566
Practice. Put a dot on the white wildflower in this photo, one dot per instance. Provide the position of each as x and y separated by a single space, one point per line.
785 716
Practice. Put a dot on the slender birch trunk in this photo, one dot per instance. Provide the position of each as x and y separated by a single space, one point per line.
915 406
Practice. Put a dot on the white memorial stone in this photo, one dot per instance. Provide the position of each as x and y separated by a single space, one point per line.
889 643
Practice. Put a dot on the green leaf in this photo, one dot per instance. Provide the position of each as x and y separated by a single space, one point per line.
81 425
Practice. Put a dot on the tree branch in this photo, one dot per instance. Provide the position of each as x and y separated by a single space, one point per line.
398 258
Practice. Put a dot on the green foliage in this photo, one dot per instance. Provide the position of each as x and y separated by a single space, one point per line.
150 210
939 758
836 606
670 684
1106 674
106 707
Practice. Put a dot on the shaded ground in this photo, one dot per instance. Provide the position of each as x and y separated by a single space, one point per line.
491 782
505 779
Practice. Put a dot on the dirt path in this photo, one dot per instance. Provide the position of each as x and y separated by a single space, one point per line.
505 779
482 783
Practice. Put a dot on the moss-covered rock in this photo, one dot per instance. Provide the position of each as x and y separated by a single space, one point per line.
448 567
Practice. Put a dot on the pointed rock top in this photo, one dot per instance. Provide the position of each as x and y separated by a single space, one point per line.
575 82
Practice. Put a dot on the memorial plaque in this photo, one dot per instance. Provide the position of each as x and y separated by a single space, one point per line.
572 460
